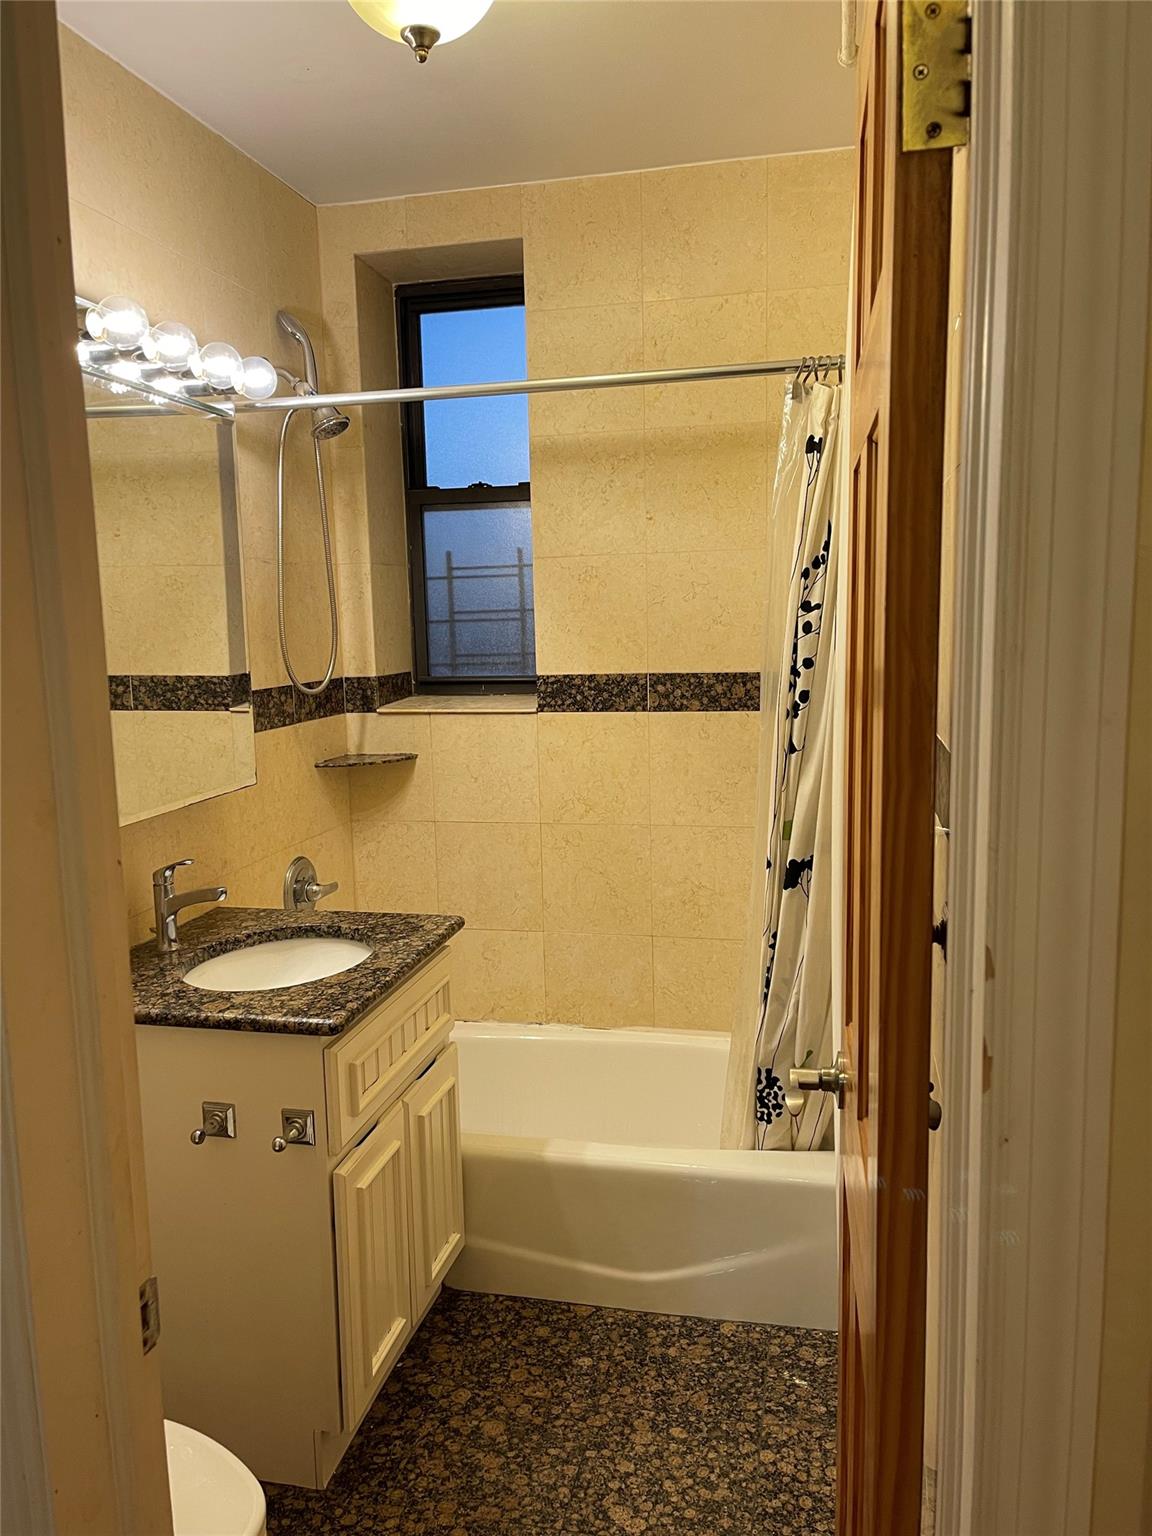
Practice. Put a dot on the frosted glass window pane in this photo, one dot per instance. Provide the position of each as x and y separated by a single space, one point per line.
468 441
478 591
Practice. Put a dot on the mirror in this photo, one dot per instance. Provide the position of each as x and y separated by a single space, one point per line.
163 484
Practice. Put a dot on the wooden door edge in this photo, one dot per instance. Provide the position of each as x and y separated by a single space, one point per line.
1062 134
75 1120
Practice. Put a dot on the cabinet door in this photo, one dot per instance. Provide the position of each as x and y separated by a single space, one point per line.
432 1107
370 1189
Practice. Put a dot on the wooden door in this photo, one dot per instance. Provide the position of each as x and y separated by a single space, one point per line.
83 1434
432 1109
896 449
372 1261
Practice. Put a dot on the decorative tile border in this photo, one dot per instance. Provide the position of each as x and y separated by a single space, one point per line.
666 692
560 693
275 708
719 691
592 692
179 693
360 695
393 687
272 708
319 706
365 695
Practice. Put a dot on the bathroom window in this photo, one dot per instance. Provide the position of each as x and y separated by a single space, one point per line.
467 486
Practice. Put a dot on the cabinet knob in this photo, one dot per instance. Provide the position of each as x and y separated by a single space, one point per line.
297 1129
216 1119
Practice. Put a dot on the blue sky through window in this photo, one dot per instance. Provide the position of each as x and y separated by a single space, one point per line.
471 440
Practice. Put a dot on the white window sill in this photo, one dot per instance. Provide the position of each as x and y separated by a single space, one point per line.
462 704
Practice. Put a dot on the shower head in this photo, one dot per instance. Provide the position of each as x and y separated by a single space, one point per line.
326 420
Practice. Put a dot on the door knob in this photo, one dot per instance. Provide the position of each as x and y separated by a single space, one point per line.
805 1080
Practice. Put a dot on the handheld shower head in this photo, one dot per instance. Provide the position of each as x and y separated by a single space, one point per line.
326 420
292 327
327 423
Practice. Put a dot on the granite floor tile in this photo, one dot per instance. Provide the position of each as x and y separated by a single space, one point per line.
695 1480
513 1417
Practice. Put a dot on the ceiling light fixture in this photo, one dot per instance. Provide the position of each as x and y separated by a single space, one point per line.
421 23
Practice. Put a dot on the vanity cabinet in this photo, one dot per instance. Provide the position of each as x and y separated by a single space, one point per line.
432 1123
291 1280
373 1251
399 1226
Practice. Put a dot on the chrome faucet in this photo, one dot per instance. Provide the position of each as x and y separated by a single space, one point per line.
166 903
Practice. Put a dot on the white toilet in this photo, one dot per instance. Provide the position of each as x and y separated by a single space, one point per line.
213 1492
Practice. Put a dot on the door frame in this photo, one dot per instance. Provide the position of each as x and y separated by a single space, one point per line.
1055 369
85 1391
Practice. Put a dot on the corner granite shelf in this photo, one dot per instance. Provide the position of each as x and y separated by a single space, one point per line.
367 759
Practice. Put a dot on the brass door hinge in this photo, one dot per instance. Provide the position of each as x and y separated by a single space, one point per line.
150 1313
936 66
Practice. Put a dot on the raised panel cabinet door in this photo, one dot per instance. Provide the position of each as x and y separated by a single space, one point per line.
369 1065
432 1107
370 1190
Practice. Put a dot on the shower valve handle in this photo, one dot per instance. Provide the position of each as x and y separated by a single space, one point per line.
302 888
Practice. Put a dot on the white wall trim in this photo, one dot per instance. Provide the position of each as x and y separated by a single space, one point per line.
1047 523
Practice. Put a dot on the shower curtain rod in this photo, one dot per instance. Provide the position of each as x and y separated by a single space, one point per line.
539 386
530 386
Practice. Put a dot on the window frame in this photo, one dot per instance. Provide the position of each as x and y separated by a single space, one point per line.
413 300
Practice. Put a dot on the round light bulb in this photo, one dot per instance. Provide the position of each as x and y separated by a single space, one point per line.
449 19
257 378
218 364
124 369
170 343
122 322
166 388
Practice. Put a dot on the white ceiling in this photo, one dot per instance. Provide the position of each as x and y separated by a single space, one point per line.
540 89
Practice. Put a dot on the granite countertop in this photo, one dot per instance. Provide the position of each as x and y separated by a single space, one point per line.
400 941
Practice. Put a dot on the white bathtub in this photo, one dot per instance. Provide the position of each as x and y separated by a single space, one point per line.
592 1173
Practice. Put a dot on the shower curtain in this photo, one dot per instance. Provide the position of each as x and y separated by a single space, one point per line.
784 1016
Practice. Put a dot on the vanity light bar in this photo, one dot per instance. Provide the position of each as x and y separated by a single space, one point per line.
161 401
125 350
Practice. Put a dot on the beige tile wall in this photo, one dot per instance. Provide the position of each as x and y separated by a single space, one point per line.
568 844
601 860
168 212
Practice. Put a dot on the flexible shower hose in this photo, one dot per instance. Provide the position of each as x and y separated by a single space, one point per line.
302 687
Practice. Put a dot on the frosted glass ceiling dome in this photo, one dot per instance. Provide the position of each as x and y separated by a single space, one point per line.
421 23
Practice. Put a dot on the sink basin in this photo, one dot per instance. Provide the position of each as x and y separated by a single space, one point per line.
280 963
